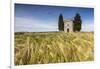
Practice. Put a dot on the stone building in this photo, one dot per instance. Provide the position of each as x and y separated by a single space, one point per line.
68 25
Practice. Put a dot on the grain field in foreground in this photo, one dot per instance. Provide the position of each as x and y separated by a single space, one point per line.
53 47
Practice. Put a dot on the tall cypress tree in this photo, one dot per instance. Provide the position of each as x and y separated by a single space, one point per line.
61 23
77 22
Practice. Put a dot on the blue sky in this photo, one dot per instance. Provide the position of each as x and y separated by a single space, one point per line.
42 18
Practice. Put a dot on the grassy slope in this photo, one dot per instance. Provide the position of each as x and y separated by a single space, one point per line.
37 48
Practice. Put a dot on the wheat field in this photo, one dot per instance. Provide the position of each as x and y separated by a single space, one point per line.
53 47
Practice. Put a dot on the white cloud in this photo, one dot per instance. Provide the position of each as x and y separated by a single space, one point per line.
87 26
33 25
36 25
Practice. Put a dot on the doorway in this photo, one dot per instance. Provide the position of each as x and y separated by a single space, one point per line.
67 29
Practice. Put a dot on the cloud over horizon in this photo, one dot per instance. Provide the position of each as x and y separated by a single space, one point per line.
35 25
87 26
30 25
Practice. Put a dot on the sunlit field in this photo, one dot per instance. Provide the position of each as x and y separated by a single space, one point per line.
53 47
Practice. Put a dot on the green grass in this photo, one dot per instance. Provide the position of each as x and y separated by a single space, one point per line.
53 47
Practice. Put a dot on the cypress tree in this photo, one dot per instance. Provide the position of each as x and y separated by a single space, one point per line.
60 23
77 22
